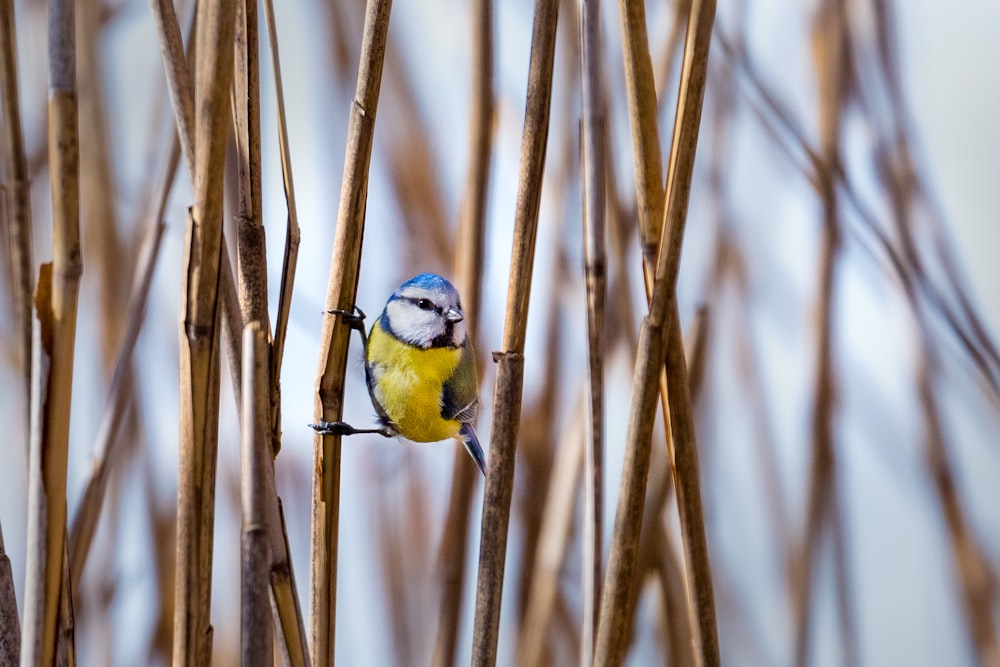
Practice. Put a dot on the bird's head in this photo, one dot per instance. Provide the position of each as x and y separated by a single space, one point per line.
426 312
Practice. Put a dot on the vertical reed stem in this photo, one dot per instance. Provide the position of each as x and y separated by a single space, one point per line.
199 338
342 288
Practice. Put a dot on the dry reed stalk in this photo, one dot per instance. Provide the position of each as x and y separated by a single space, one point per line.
510 371
469 255
199 360
661 341
17 191
823 506
594 189
641 96
553 542
252 268
251 257
10 627
180 89
292 233
342 289
56 307
107 444
255 598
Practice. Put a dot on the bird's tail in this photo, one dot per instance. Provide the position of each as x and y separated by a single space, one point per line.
471 441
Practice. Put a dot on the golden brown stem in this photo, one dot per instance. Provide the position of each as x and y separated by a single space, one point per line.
199 336
510 371
342 288
255 599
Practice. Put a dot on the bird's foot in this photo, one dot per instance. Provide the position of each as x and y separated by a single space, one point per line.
343 428
354 318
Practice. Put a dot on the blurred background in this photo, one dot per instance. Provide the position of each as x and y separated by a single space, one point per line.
906 537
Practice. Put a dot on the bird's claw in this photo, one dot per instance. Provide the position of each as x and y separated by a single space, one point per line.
333 428
354 318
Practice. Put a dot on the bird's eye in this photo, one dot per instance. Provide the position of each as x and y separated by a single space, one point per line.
425 304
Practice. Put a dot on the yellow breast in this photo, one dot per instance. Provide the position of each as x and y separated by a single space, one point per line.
407 383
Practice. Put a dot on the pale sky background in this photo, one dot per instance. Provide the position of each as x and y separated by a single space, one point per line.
950 58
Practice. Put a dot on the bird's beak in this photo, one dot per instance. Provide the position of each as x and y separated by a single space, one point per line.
454 315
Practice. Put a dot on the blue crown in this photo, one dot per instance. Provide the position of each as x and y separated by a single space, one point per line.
430 281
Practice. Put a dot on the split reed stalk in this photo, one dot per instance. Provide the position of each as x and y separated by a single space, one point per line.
255 599
17 191
199 339
292 233
660 342
510 371
53 348
252 270
594 189
181 91
469 256
342 289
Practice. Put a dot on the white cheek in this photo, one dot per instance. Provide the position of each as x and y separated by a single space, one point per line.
412 324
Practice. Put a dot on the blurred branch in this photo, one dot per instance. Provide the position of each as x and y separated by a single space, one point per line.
554 536
510 371
594 190
107 443
824 511
17 190
469 260
342 289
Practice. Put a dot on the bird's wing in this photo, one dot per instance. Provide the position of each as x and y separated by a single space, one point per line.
460 393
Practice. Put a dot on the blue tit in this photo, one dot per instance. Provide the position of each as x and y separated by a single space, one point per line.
420 367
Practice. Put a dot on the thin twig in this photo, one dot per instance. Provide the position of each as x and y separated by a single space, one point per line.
510 371
292 233
342 289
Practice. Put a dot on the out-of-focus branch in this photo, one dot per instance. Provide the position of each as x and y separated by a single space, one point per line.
469 255
823 509
594 188
17 190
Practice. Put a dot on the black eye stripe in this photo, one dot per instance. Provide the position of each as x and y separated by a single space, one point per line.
424 304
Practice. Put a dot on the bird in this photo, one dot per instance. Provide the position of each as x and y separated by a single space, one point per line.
420 367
